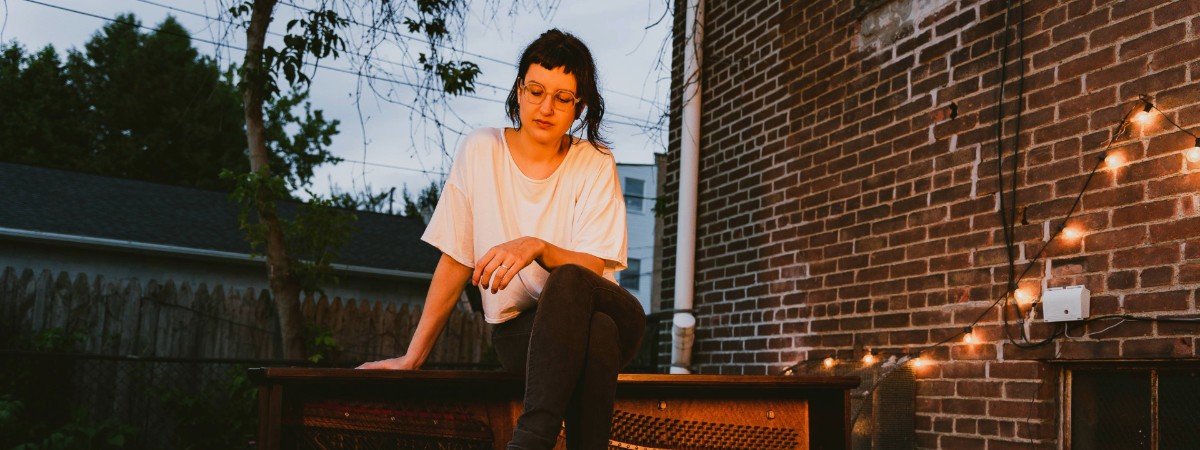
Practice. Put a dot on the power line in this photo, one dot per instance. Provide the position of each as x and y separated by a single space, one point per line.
484 57
633 121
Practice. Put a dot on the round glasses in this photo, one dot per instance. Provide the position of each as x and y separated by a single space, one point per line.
561 100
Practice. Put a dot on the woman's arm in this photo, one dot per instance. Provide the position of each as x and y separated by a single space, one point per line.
448 281
506 259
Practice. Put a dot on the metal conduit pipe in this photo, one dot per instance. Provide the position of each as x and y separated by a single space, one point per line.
684 323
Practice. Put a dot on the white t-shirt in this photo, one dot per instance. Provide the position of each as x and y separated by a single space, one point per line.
488 201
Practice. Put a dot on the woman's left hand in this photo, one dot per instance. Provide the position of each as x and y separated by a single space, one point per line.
499 265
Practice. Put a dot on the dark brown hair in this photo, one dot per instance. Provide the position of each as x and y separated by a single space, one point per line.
554 49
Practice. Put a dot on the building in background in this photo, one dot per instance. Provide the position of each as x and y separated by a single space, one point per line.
849 216
120 229
639 183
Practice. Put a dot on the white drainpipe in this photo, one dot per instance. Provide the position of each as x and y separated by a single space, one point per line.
684 323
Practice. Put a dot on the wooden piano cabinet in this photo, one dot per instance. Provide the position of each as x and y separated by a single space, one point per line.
361 409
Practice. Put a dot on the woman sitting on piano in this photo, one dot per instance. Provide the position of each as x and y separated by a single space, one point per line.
534 217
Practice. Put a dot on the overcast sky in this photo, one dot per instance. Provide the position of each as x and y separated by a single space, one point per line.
399 146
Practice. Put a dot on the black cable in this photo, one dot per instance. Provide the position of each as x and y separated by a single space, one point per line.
1172 122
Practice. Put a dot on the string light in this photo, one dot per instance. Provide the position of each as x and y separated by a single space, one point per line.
1114 160
1024 296
1072 233
1027 295
1143 117
1193 154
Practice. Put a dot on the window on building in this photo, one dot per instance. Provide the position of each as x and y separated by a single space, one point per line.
631 278
635 191
1151 408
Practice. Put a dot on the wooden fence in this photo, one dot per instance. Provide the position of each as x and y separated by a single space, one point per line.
128 317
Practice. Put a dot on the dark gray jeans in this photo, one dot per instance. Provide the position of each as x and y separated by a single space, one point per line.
570 348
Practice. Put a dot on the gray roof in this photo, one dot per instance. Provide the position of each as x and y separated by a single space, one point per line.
41 200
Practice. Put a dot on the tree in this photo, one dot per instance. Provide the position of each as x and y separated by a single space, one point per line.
423 205
147 106
314 36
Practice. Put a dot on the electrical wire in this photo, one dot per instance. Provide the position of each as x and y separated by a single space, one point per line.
357 73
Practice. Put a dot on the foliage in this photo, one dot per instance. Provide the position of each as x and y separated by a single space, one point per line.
316 230
222 415
424 204
322 346
457 77
36 410
146 106
81 432
130 104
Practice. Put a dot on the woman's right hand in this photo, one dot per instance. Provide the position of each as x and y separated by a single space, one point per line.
397 363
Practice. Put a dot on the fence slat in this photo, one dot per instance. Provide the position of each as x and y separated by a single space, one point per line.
169 319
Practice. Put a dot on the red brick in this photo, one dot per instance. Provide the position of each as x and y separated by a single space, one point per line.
1116 74
1156 348
964 406
1176 230
1142 213
1109 240
977 352
1180 184
1178 55
1153 41
1119 31
1147 256
1157 301
1089 350
1157 276
1173 11
1189 273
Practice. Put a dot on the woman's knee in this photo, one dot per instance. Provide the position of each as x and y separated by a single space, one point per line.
569 273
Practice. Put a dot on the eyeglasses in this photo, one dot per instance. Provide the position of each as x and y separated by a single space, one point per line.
563 100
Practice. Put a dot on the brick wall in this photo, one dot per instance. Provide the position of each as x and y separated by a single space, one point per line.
848 196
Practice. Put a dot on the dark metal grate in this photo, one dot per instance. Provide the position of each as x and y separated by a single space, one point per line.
1179 409
631 430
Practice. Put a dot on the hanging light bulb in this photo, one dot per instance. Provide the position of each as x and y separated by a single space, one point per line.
1023 296
869 358
1143 117
1114 160
829 362
1193 154
969 336
918 362
1072 233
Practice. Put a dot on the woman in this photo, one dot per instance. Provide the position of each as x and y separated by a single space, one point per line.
535 218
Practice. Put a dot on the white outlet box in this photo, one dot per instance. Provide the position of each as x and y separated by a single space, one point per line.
1066 303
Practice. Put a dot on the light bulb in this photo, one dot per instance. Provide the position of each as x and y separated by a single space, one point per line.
1143 117
1193 154
1072 233
1114 160
1024 296
969 336
918 362
869 358
829 362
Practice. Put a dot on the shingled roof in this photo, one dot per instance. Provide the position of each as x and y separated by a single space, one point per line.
37 201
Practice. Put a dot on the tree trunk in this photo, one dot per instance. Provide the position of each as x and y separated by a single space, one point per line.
284 287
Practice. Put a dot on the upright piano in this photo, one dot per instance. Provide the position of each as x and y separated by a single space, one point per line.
425 409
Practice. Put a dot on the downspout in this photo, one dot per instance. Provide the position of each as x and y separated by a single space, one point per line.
684 323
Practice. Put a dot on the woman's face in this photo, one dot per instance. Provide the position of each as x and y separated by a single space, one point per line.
544 118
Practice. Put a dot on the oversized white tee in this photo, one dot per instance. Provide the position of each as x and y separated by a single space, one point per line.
488 201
